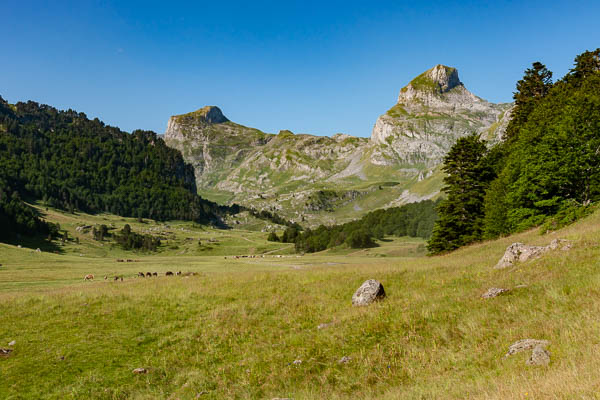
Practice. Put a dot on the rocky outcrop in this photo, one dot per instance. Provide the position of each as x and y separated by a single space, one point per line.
432 112
519 252
525 344
370 291
539 354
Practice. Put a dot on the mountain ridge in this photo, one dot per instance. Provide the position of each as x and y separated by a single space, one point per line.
280 172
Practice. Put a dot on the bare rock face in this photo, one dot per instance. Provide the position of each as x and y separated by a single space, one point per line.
526 344
539 356
519 252
370 291
493 292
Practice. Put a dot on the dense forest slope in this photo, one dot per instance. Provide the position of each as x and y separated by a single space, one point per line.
546 171
74 163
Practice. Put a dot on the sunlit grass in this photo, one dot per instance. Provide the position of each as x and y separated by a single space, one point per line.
234 330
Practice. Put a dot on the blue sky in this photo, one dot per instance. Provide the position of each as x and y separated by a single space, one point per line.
317 67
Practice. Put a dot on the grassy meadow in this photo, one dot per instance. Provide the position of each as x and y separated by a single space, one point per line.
239 327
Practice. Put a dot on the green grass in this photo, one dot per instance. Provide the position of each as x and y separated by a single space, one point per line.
234 330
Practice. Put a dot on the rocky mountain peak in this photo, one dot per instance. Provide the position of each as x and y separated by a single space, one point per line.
445 77
435 81
432 112
208 114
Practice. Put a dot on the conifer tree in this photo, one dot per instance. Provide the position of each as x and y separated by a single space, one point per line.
460 215
535 84
586 63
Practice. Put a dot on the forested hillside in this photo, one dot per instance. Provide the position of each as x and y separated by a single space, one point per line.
414 219
74 163
546 171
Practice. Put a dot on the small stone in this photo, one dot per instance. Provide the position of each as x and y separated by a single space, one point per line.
539 356
140 371
525 344
5 352
370 291
12 343
493 292
344 360
324 325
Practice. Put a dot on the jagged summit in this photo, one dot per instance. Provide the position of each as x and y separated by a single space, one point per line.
437 81
207 114
445 77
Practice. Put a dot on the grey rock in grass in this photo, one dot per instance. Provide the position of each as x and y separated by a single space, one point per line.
519 252
5 352
297 362
539 356
140 371
370 291
324 325
526 344
493 292
344 360
12 343
559 244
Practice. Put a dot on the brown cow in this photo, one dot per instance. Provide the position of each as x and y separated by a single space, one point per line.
168 273
89 277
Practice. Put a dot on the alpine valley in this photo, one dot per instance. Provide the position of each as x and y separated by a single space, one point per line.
326 180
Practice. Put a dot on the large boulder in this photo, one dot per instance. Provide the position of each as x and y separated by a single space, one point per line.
519 252
526 344
370 291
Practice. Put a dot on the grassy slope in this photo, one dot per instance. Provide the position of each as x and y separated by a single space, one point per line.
234 330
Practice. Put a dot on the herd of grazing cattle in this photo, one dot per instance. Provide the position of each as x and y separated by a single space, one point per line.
90 277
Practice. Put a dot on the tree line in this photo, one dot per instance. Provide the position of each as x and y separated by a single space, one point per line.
546 170
414 219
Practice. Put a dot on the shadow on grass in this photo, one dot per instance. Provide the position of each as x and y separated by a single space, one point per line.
34 243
